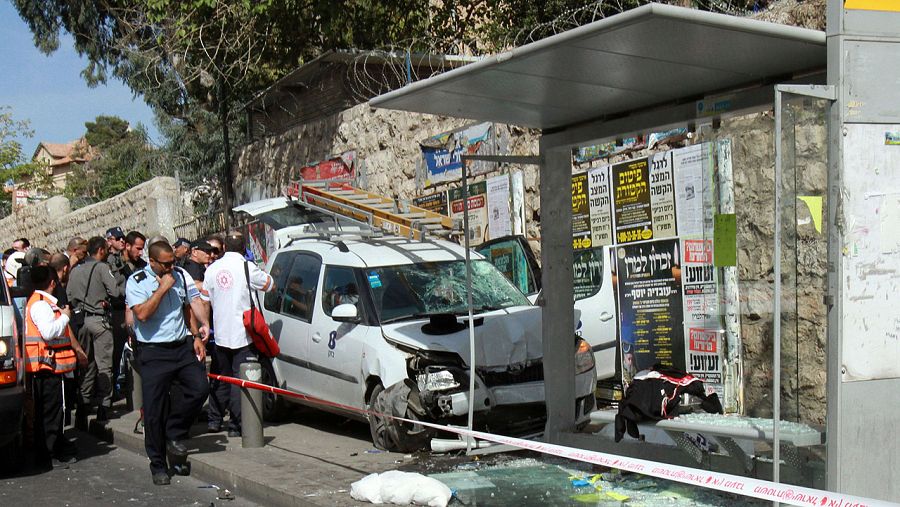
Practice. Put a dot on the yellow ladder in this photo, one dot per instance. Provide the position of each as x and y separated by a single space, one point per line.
393 217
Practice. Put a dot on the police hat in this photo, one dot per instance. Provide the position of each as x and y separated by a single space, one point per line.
204 246
35 256
181 242
115 232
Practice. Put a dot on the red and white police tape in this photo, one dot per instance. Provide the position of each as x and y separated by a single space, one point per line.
765 490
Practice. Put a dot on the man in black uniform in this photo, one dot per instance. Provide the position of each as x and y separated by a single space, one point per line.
182 251
115 240
161 298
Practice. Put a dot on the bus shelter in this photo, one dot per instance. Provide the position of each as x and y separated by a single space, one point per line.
833 203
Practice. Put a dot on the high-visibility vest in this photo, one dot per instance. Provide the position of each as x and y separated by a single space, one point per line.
52 354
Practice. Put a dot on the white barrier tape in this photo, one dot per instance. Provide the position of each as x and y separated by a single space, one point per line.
756 488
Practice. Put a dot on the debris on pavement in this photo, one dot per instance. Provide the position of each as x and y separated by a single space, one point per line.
402 488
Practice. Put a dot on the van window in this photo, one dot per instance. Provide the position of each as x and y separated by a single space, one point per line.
339 288
280 269
509 257
300 287
587 271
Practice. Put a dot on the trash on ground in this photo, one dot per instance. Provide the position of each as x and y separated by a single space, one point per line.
402 488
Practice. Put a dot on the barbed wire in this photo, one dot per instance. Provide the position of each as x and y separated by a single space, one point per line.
374 71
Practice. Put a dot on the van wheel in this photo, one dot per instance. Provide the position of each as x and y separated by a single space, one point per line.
379 426
388 434
274 406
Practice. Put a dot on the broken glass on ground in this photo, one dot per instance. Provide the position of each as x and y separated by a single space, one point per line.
549 481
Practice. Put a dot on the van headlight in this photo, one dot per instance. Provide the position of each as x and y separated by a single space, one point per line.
435 379
584 357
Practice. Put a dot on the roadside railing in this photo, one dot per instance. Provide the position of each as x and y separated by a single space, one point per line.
201 226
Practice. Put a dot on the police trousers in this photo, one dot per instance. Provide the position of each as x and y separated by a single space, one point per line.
96 381
169 417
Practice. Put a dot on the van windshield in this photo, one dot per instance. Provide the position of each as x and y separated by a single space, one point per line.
419 290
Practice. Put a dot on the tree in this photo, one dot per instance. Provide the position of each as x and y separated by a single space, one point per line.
105 131
13 163
122 160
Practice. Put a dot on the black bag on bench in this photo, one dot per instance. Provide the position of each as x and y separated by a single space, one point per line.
655 395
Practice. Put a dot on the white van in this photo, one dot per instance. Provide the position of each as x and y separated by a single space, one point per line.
12 386
381 324
595 297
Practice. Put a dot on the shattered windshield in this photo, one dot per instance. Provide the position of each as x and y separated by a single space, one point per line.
418 290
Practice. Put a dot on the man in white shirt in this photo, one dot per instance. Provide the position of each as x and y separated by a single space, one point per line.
51 351
226 283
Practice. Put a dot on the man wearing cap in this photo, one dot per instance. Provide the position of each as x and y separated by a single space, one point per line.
182 250
115 241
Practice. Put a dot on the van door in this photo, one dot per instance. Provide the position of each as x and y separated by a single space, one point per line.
288 312
595 297
336 348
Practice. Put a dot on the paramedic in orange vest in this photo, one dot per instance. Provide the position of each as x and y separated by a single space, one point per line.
51 351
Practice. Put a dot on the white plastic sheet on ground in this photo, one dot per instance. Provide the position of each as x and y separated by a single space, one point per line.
401 488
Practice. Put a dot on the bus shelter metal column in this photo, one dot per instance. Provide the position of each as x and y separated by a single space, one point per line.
558 325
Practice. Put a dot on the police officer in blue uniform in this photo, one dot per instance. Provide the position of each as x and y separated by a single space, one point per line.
161 298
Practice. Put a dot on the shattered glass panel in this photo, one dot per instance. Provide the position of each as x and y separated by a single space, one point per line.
532 482
419 290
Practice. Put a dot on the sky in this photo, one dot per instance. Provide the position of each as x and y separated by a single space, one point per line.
50 92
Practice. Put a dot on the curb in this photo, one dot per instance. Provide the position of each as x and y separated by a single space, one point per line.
203 467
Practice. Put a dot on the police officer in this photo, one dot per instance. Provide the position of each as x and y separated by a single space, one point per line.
166 350
91 286
182 251
115 240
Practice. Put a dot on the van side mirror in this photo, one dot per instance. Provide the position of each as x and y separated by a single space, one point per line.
345 313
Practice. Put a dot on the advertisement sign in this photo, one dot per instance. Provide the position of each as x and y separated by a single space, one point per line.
340 167
701 311
478 219
581 213
601 212
693 190
436 202
499 219
662 195
442 153
632 207
650 306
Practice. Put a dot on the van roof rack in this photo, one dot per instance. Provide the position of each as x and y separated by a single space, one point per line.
395 217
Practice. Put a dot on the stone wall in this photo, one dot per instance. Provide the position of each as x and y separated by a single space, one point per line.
388 144
153 207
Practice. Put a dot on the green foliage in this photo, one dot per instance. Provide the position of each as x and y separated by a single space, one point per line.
124 159
106 131
13 163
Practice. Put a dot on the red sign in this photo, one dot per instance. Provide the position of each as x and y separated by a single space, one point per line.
341 167
698 251
475 202
703 340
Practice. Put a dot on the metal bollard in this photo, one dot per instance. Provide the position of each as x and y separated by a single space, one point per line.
251 407
137 393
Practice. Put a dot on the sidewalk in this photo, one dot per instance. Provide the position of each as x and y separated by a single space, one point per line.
309 460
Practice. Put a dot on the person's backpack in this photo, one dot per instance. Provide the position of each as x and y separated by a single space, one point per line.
655 395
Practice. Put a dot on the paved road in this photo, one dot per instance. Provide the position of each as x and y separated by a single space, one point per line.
106 475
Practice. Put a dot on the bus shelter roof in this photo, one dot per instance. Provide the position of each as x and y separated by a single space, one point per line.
650 56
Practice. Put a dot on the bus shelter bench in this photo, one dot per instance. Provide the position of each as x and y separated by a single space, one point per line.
725 430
